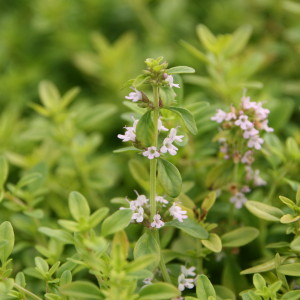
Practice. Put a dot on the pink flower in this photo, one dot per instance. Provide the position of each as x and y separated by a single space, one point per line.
174 137
264 126
248 158
177 213
138 215
247 104
238 200
220 116
135 96
129 133
185 282
161 199
157 222
160 126
257 180
250 132
168 147
170 80
151 152
255 142
243 122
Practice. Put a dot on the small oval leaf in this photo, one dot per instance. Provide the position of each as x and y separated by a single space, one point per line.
116 222
264 211
169 177
239 237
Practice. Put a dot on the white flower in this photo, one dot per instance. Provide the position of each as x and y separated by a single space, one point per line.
248 158
161 199
247 104
157 222
151 152
139 215
243 122
257 180
220 116
250 132
245 189
260 112
168 147
173 137
141 199
188 271
160 126
177 213
185 282
229 116
129 133
238 200
255 142
135 96
264 126
170 80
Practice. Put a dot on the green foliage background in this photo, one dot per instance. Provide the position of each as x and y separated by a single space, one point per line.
99 45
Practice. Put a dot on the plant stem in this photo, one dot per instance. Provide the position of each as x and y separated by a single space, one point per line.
25 291
153 169
153 162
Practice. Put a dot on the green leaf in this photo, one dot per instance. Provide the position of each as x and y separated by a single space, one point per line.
57 234
49 94
167 95
213 243
288 202
204 288
238 40
141 263
145 130
125 149
78 206
139 80
224 293
7 236
194 51
264 267
258 281
96 217
3 170
187 118
116 222
81 290
288 218
158 291
69 97
190 227
264 211
292 295
239 237
290 269
147 244
295 244
169 178
207 38
139 173
65 278
41 265
180 70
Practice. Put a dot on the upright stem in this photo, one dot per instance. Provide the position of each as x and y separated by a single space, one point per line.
153 162
153 169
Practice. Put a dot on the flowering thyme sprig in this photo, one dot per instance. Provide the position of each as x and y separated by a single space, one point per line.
155 140
240 135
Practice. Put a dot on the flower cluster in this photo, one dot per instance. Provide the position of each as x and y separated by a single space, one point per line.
152 152
250 118
183 280
140 208
242 134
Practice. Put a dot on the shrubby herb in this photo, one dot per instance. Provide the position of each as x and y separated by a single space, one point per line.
189 219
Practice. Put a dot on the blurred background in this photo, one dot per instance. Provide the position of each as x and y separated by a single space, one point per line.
97 45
